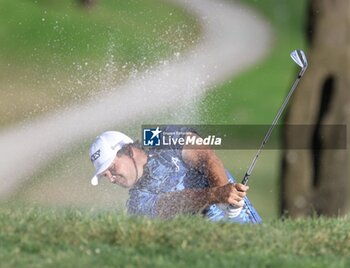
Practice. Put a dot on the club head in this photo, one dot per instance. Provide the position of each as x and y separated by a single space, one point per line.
299 57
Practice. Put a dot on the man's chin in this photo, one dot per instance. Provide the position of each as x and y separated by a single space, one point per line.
127 185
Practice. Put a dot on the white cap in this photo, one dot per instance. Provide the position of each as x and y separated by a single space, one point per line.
104 149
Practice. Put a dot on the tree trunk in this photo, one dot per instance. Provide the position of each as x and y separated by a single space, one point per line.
316 180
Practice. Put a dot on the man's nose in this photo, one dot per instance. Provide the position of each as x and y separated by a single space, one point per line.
109 176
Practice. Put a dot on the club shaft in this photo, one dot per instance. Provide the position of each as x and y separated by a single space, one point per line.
267 136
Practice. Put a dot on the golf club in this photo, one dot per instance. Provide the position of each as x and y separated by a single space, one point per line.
299 57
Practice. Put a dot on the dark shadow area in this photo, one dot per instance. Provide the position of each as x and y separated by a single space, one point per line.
317 143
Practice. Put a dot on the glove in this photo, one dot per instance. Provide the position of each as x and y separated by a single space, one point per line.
232 211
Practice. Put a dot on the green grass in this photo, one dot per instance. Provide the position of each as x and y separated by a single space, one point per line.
54 33
55 53
76 238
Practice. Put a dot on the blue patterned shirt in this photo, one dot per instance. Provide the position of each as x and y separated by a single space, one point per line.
167 172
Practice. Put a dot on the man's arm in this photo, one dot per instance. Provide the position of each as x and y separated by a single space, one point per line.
195 200
207 162
204 159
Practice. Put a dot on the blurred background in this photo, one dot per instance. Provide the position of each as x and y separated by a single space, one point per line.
59 54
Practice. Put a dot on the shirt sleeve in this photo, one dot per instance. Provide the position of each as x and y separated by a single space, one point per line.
142 203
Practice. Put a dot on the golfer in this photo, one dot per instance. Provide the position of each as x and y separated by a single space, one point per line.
167 182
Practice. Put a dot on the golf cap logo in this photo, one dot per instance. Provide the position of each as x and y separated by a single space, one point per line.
95 155
151 136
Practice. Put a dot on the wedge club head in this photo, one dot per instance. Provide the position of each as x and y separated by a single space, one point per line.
299 57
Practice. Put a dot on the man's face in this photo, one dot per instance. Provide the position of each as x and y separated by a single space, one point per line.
122 171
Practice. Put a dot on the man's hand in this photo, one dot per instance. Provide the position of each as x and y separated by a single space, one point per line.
230 194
